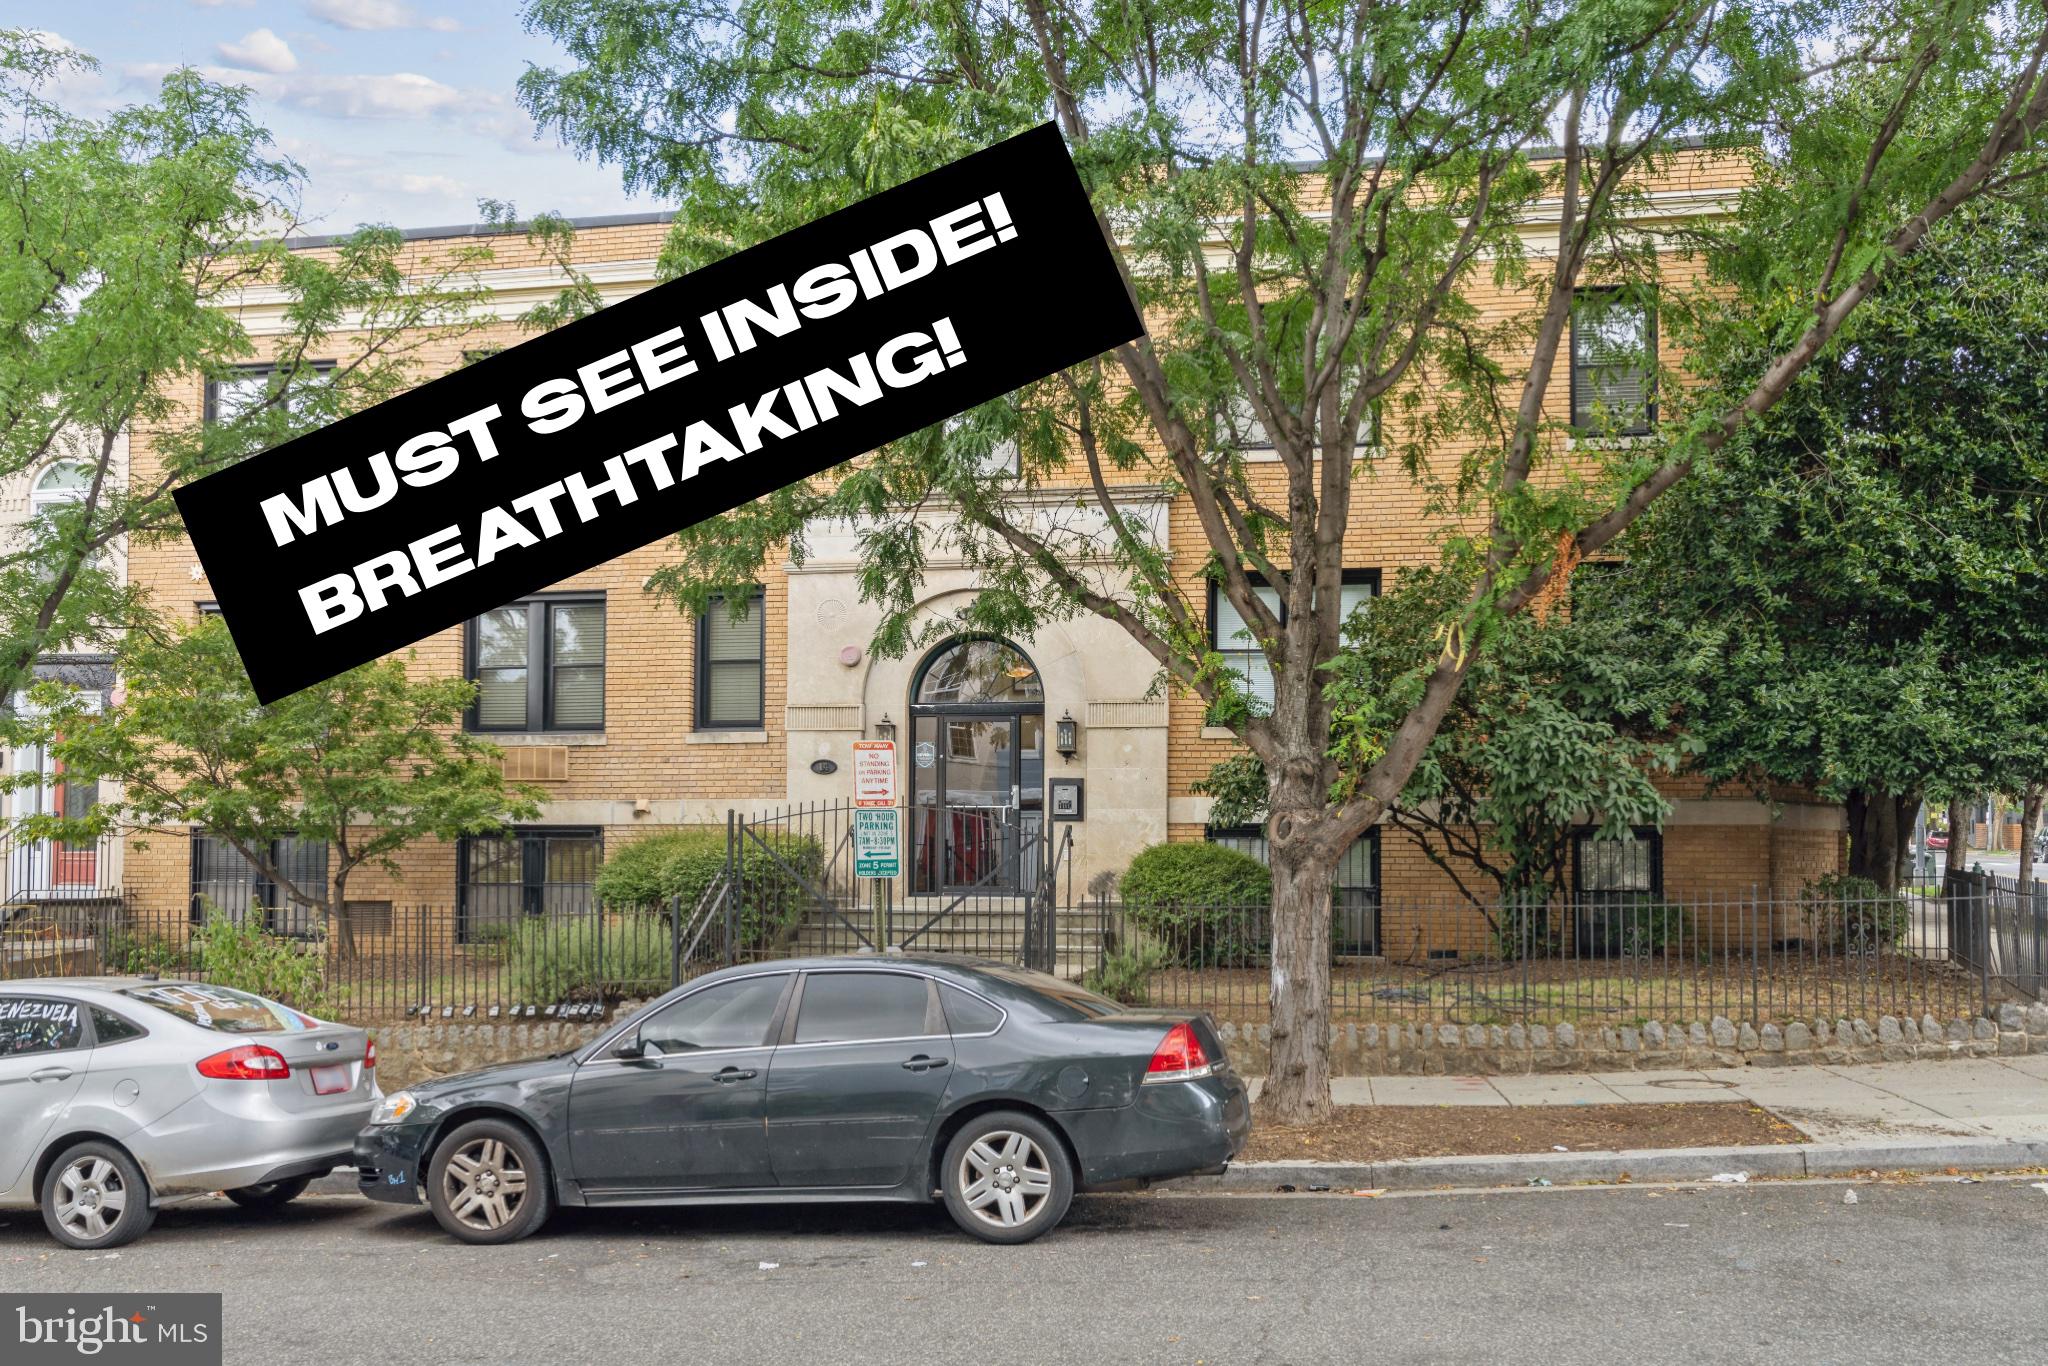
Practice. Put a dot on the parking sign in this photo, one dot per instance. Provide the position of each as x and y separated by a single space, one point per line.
877 840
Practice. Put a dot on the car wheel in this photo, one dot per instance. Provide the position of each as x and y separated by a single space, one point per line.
488 1183
1006 1177
271 1194
95 1196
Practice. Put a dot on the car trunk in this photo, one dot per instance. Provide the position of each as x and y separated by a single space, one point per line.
326 1062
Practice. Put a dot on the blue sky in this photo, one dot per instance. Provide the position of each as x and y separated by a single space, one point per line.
401 111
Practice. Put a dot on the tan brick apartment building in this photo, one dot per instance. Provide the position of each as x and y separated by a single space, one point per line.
634 719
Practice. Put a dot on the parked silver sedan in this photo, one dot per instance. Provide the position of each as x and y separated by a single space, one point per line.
118 1094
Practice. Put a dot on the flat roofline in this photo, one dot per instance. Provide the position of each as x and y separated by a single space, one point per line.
1692 142
601 220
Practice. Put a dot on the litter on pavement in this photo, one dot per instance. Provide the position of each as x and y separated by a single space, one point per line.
1731 1178
1848 1197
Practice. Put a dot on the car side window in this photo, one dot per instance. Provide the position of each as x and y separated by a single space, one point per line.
729 1015
107 1027
846 1007
967 1013
37 1024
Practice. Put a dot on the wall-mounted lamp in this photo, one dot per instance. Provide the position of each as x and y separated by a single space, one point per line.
1066 735
885 729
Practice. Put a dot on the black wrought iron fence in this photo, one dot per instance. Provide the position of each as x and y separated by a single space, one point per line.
1675 959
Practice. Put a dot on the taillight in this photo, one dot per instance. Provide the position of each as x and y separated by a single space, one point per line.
370 1056
250 1062
1179 1057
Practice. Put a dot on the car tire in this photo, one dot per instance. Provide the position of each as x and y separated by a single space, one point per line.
271 1194
1006 1177
488 1182
83 1184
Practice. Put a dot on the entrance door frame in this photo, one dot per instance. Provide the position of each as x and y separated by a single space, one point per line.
1017 883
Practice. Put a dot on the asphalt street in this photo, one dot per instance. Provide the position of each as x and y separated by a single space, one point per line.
1910 1273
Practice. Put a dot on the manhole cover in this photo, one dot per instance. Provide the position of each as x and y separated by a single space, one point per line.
1693 1084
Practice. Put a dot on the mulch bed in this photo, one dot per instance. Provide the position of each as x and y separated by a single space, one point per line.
1377 1133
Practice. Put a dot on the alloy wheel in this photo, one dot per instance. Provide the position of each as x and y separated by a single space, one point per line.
92 1198
1005 1178
484 1183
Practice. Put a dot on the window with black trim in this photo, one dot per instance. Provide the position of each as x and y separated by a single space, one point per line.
1355 895
1238 426
501 880
1618 870
38 1024
1614 363
227 399
731 679
109 1028
538 665
1231 638
226 882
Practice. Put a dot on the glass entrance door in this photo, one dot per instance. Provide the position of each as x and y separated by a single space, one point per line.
977 771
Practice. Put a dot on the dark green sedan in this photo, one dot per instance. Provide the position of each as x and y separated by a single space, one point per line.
872 1077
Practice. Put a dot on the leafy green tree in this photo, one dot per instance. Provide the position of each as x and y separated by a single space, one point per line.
1856 593
1304 200
371 762
128 238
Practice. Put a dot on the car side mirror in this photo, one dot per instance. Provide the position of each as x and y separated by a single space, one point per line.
633 1047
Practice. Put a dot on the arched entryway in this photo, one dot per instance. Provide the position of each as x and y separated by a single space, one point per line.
977 768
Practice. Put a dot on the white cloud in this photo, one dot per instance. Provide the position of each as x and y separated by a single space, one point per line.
399 95
372 15
260 50
225 4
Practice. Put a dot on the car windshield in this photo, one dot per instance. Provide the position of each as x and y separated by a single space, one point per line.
1063 999
222 1009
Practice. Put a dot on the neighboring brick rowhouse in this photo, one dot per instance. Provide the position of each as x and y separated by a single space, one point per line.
652 768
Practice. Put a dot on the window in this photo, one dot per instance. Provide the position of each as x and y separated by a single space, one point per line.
220 1009
228 399
729 1015
108 1028
538 665
846 1007
502 879
1620 871
1238 427
1614 364
37 1024
967 1013
729 673
1355 896
226 882
999 459
1231 638
64 482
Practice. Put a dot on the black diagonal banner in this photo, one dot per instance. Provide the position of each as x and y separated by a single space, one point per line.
657 413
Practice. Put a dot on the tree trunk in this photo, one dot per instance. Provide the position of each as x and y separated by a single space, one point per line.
1958 835
2030 830
1878 825
341 931
1297 1089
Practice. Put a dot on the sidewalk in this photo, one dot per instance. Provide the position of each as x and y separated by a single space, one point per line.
1982 1114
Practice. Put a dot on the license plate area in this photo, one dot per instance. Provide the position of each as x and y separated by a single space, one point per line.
332 1081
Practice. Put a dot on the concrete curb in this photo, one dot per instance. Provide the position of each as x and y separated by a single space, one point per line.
1641 1164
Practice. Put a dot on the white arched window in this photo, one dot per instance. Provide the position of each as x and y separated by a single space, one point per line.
64 482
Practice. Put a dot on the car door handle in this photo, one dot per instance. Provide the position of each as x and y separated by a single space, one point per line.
50 1074
921 1063
732 1074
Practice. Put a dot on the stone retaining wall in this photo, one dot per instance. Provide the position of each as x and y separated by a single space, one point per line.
1495 1050
417 1052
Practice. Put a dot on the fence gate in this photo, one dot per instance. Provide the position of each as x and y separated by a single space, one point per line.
790 886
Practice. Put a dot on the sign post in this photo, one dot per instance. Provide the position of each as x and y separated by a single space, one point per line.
877 832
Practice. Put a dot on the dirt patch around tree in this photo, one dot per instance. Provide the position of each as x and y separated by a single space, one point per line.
1382 1133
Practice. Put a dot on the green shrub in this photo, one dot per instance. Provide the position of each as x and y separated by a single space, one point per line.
1204 905
588 958
248 957
128 952
1847 914
657 871
1522 928
1125 975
